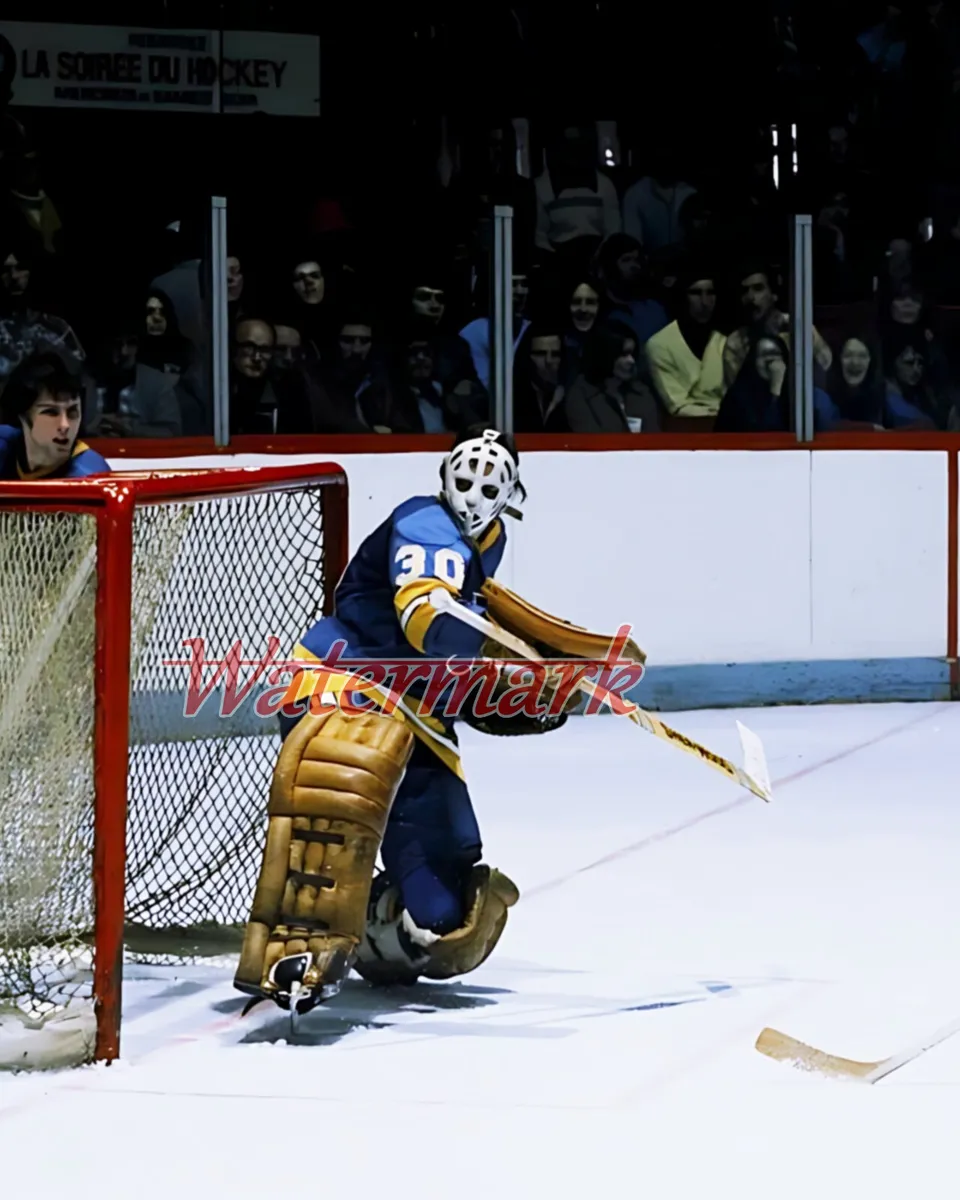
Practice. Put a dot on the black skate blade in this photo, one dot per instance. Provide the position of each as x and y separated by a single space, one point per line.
252 1003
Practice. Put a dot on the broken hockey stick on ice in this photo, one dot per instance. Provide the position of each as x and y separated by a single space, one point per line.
753 776
786 1049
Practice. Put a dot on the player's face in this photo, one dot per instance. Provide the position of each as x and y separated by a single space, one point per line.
234 279
701 301
15 275
156 317
254 349
625 367
308 282
355 342
429 302
854 362
545 357
756 296
584 306
50 428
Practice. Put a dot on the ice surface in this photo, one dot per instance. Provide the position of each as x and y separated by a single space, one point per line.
607 1048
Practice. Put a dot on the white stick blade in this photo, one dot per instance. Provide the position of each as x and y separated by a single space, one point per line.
755 760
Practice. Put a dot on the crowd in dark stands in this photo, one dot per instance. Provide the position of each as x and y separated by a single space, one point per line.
644 299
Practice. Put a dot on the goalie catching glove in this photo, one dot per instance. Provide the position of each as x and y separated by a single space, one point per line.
537 682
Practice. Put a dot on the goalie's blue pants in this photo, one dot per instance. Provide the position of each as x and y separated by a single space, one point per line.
431 842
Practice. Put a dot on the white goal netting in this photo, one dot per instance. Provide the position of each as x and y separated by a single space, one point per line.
246 567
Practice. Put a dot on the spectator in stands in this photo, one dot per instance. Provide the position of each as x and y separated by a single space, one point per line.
14 275
915 397
292 381
856 385
609 397
837 266
426 400
686 358
287 348
477 333
312 310
355 393
584 310
699 233
760 400
25 328
907 308
24 204
577 204
450 355
941 257
621 271
900 264
652 207
253 400
162 345
490 178
134 398
759 302
235 280
538 391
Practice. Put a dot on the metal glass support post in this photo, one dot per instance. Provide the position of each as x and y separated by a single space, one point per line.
219 322
801 324
501 319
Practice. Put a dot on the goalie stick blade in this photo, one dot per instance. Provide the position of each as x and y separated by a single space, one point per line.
755 760
787 1049
783 1048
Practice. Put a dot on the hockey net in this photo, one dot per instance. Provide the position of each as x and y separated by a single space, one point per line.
85 569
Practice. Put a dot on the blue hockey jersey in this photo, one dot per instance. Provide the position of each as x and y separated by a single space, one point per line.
82 462
382 604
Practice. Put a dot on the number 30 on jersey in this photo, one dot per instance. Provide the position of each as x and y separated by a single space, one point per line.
416 562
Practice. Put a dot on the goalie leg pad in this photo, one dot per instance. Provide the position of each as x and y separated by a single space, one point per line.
333 788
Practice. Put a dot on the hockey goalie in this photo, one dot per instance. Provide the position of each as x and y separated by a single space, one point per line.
383 777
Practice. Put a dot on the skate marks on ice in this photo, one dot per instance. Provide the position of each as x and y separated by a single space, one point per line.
429 1011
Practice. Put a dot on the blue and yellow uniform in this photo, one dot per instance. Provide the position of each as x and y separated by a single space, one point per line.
382 613
13 465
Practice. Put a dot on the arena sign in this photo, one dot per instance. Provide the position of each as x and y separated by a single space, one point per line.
186 70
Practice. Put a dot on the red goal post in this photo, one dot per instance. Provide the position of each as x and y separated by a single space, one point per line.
124 827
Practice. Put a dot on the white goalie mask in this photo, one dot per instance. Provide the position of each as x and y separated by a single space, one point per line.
480 479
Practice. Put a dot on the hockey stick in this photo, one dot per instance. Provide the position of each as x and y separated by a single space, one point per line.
786 1049
753 776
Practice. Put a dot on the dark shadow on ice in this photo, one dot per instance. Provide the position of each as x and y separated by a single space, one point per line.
360 1006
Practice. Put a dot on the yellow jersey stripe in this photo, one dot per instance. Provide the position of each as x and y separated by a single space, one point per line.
331 685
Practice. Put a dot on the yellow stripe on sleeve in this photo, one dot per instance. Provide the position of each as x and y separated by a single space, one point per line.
415 611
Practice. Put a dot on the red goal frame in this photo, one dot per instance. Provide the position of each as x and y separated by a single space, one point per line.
112 499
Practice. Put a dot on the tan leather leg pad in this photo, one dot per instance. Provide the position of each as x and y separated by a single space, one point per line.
333 788
492 895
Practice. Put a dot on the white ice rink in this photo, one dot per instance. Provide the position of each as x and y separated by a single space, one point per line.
607 1048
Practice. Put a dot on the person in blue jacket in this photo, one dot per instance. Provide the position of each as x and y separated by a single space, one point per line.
40 414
